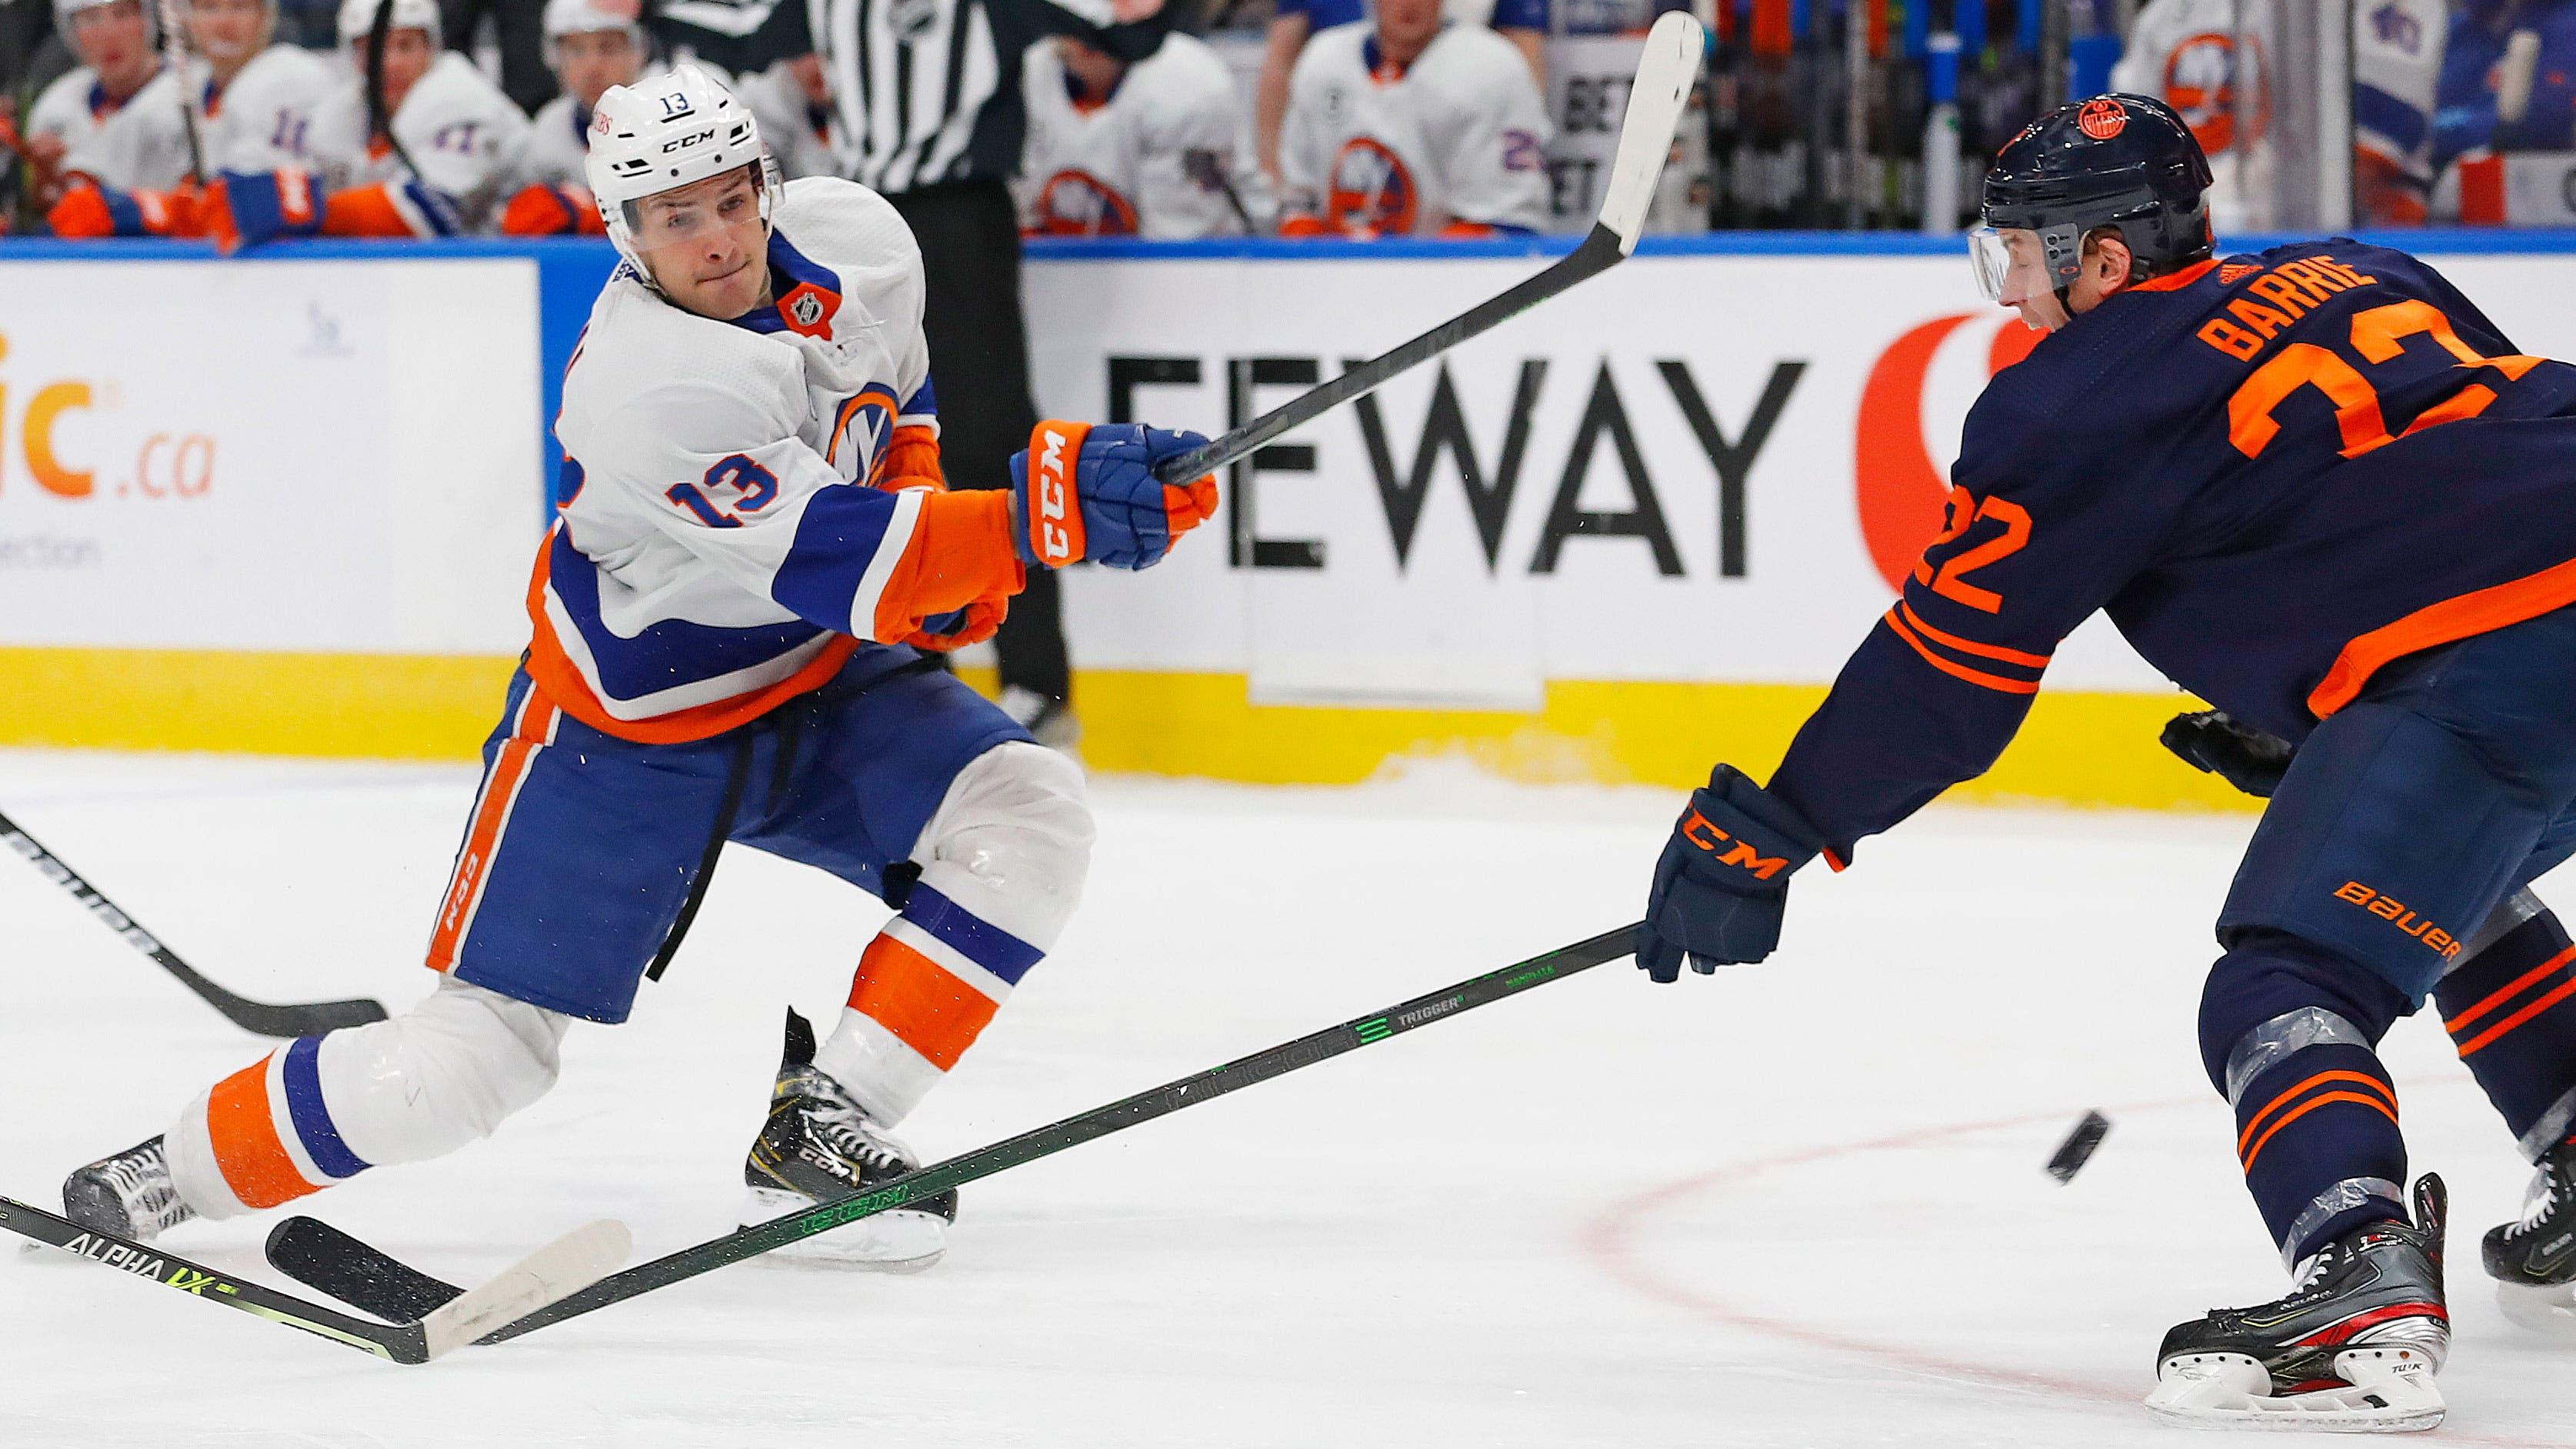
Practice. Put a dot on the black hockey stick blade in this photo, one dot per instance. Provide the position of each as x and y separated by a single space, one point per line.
1666 70
1029 1146
311 1018
323 1258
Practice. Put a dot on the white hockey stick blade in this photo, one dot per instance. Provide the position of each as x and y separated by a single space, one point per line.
2385 1391
551 1273
2541 1310
1665 73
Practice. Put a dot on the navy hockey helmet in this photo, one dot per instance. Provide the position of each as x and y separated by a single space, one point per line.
2114 160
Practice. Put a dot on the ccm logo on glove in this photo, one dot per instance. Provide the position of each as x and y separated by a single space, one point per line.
1058 530
1697 829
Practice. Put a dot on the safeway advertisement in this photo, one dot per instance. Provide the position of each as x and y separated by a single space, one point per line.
325 455
1691 468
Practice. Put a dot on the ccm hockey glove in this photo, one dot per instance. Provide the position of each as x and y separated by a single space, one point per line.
1088 491
1723 882
2242 755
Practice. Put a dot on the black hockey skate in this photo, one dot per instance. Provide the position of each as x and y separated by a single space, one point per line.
2534 1260
130 1194
2355 1348
819 1146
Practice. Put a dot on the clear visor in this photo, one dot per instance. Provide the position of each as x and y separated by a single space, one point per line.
1990 259
665 219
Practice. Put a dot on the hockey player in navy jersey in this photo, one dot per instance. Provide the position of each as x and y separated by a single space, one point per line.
2318 488
752 546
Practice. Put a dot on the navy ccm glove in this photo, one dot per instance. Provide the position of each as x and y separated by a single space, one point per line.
1088 491
1723 881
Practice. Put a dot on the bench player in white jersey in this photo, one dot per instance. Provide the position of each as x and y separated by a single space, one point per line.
749 525
252 103
114 43
1406 126
1160 148
793 100
456 125
592 45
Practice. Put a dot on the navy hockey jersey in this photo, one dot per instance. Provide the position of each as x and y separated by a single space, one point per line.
2276 473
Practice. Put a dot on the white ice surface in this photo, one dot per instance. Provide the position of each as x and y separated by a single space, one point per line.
1795 1205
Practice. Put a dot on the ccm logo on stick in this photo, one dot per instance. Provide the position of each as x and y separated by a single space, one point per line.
1698 831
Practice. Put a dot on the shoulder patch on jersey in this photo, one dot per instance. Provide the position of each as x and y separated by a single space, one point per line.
2233 272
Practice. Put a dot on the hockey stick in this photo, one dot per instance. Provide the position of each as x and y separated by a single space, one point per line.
331 1261
1665 71
380 117
174 57
303 1019
566 1265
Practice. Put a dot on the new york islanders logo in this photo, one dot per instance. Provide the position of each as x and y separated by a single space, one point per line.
1372 190
1073 202
2102 118
2213 82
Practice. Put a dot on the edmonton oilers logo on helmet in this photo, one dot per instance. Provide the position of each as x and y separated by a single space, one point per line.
2102 118
1372 188
1073 202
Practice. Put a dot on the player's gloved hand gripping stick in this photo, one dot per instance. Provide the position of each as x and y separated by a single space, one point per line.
1723 881
1666 70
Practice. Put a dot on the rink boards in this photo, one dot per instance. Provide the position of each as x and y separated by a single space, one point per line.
287 505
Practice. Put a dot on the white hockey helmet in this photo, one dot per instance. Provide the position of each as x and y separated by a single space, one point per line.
358 18
64 10
664 132
581 17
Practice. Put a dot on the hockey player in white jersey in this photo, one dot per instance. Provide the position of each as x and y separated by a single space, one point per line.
1409 126
455 125
1159 148
251 103
592 45
793 100
114 43
750 532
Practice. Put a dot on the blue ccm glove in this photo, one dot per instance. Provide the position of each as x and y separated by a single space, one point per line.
1723 881
1088 491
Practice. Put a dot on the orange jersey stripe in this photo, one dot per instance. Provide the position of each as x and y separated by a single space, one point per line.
1969 646
247 1150
928 1009
2501 994
561 680
483 836
2176 281
2470 614
2483 1039
1994 682
2310 1105
2256 1121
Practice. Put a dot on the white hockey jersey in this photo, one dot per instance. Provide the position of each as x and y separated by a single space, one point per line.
465 134
719 547
263 121
1168 155
1460 136
805 142
74 107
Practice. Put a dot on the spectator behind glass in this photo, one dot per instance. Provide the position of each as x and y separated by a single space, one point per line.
115 48
252 104
592 45
1158 148
792 100
1294 22
1412 126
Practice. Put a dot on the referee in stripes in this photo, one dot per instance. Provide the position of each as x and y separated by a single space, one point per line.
928 91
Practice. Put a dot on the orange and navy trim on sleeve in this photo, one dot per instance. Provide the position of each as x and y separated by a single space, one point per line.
1988 666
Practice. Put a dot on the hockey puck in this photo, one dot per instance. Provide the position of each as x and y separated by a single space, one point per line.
2078 1147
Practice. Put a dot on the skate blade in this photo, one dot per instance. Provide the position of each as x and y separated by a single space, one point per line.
900 1241
2386 1391
2548 1309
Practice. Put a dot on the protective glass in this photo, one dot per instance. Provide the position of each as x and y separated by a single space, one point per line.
1990 259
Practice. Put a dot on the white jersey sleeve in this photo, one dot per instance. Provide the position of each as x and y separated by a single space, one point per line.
1487 128
1308 133
2396 69
719 543
263 121
1193 145
558 145
140 146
